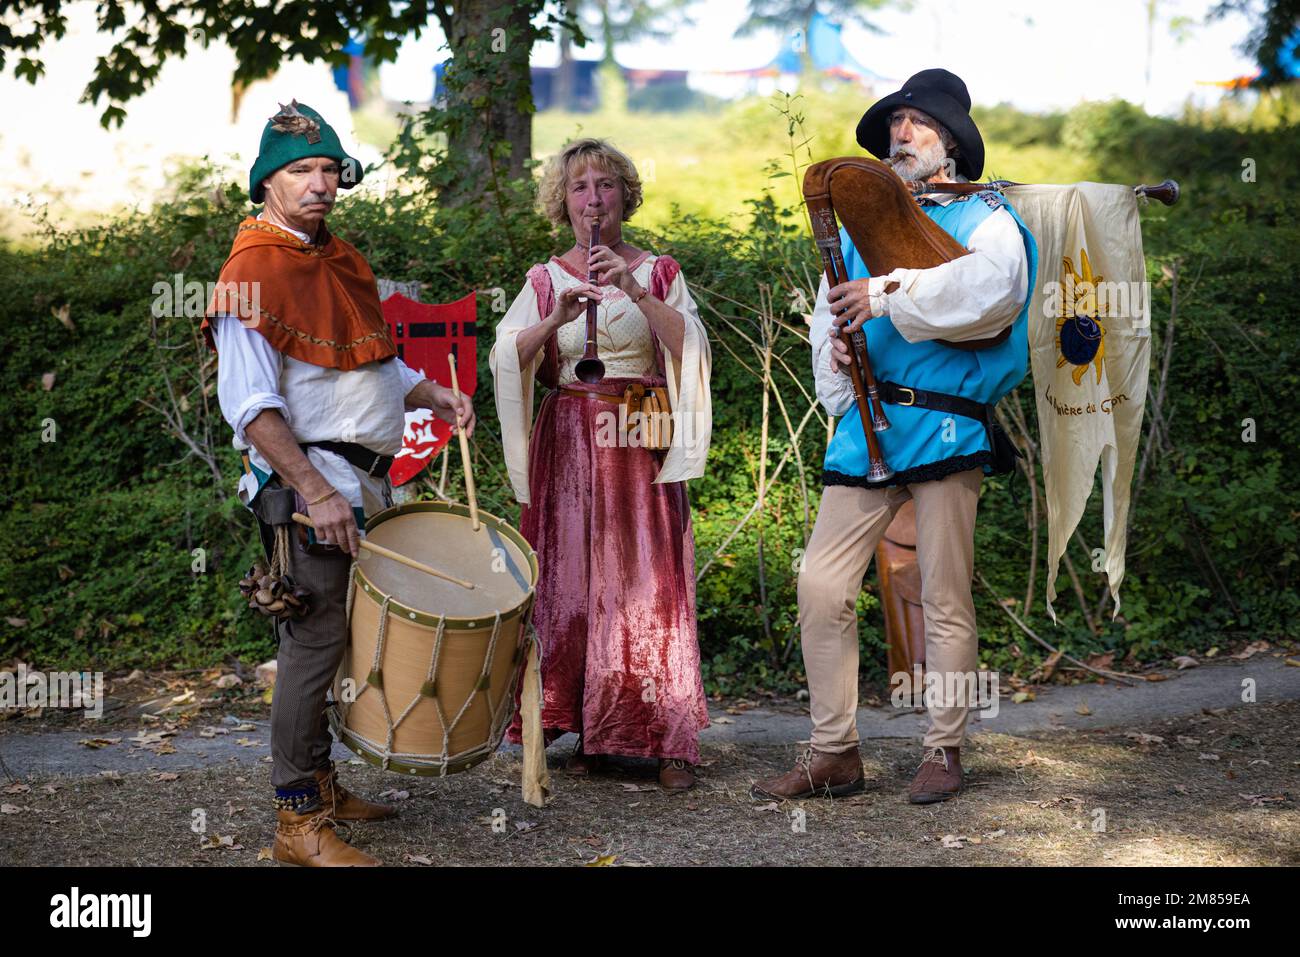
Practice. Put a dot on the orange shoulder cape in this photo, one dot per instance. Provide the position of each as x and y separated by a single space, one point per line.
318 303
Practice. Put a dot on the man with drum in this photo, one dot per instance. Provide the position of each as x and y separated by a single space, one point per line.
309 379
939 452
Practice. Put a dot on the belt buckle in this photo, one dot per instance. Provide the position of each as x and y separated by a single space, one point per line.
911 393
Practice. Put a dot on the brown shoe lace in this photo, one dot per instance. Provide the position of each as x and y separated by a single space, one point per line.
319 819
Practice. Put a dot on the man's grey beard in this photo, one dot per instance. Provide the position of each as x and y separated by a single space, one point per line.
923 164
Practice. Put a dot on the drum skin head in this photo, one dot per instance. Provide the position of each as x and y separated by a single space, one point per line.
494 562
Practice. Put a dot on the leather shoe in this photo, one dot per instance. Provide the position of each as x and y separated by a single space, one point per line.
675 774
309 840
343 805
581 763
938 778
816 773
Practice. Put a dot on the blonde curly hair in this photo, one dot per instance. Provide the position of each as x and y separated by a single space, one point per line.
577 156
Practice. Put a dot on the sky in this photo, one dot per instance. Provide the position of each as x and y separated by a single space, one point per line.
1044 55
1049 54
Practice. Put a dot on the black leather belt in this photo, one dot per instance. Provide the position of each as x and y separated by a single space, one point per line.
1003 450
896 394
372 463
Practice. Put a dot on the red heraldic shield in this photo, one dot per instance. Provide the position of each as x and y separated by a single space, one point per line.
425 335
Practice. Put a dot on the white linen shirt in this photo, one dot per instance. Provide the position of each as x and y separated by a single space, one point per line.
971 297
367 405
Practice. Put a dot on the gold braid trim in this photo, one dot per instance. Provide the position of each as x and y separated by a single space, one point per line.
315 340
309 248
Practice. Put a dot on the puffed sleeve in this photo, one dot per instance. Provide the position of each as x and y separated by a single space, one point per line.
971 297
248 375
834 389
512 386
688 386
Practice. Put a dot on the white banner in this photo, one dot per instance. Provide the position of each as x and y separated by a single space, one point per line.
1089 347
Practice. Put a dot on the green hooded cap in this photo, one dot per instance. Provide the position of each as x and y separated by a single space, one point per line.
295 133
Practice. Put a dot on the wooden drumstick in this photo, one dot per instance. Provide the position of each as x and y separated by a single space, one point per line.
302 519
464 449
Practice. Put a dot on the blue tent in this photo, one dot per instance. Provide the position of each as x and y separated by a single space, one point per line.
828 53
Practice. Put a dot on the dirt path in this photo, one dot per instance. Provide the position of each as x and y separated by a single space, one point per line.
1218 786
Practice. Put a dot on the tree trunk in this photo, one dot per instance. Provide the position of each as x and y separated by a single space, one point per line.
566 75
489 96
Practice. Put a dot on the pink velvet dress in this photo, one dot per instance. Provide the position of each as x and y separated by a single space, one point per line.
615 605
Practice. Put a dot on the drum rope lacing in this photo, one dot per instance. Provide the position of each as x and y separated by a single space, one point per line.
494 713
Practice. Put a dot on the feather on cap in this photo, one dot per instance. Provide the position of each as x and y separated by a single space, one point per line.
290 120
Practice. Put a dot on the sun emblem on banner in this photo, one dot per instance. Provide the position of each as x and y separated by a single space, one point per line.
1080 336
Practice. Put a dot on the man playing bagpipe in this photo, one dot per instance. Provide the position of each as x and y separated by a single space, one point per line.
919 326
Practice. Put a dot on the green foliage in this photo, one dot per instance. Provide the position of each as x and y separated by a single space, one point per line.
99 528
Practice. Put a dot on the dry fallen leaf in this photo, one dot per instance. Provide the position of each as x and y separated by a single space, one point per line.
954 841
1141 737
264 854
11 809
1083 709
1020 697
167 776
99 742
1208 756
64 314
605 860
223 841
1252 649
1186 661
1259 800
773 806
1033 758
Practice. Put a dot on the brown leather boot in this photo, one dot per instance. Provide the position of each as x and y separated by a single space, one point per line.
675 774
816 773
938 778
309 840
343 805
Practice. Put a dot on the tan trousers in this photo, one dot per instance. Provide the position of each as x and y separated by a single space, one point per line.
849 526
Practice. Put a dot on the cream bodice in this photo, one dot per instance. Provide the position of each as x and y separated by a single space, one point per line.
623 338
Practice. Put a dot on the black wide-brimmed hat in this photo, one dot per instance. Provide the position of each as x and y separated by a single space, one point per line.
940 94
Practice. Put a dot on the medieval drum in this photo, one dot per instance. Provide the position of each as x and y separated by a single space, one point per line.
427 685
